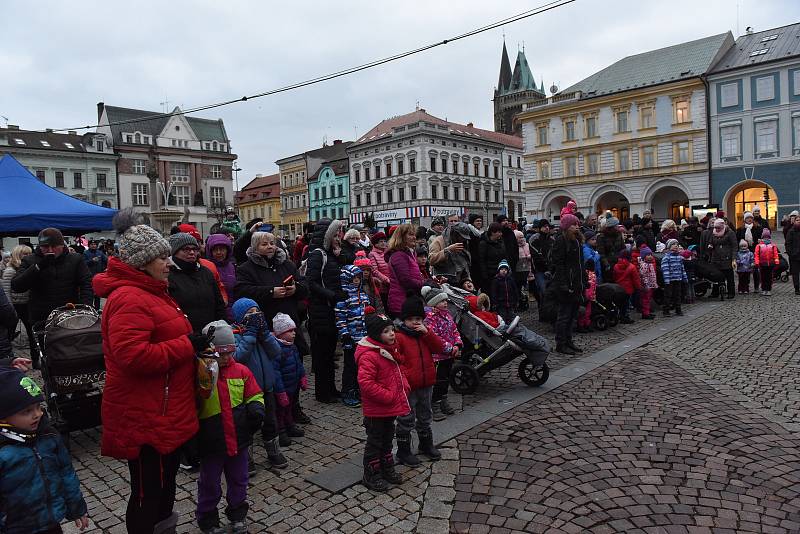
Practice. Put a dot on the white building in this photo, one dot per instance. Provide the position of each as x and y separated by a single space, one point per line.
414 167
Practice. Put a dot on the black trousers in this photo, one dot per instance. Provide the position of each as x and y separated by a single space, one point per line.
152 489
380 435
565 321
729 281
350 371
672 296
744 282
22 313
756 280
442 384
323 348
269 428
766 277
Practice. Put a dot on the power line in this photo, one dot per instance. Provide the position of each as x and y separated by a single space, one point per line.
319 79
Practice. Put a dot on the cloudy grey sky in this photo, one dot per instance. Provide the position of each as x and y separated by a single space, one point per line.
60 58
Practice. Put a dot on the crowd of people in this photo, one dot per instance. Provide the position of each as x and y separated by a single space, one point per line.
204 340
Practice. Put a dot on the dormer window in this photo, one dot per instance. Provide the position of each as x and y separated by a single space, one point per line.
137 138
45 143
19 141
69 145
214 145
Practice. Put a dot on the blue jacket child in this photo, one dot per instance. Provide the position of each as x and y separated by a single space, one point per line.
350 312
256 347
745 260
38 486
288 366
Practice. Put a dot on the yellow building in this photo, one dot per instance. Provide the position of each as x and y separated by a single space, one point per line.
294 194
261 198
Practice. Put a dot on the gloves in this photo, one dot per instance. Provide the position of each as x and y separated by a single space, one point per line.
199 341
255 323
46 261
347 341
340 295
282 398
304 382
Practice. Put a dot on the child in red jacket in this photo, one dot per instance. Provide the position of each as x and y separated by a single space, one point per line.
417 345
767 257
627 276
383 397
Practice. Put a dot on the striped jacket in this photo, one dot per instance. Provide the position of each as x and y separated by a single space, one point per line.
672 268
350 312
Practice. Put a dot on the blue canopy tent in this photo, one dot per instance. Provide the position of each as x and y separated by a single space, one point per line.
27 205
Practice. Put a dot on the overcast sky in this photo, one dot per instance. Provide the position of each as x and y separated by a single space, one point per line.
60 58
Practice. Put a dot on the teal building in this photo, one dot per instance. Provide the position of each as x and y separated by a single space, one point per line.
329 191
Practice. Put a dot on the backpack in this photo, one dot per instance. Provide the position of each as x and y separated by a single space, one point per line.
304 266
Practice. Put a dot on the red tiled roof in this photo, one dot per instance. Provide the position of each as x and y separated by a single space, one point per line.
256 189
386 126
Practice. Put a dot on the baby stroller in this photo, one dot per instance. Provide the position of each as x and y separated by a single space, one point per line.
609 300
487 348
708 276
70 349
781 271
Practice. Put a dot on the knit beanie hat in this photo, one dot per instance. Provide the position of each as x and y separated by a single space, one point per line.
671 242
17 392
282 323
191 230
412 307
588 234
609 221
766 234
474 217
180 240
377 236
438 221
220 334
719 223
743 244
433 295
543 222
645 251
503 265
51 236
138 243
747 214
375 324
240 307
568 220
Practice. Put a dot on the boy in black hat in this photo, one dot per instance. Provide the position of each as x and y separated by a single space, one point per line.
38 487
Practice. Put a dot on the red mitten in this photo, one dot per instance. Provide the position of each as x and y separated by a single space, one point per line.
282 398
304 383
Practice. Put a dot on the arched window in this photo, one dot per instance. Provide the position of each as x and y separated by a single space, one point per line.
214 145
106 204
137 138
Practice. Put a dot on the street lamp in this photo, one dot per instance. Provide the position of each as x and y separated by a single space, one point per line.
236 169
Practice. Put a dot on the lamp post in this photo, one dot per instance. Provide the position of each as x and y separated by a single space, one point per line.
236 170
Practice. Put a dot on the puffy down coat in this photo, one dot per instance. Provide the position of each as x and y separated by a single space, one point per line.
416 356
384 388
405 278
149 396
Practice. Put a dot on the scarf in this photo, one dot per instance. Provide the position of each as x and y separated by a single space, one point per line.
748 234
187 266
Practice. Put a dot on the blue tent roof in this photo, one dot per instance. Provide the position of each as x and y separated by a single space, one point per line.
27 205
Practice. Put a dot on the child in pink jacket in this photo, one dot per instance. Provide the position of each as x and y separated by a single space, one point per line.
647 273
439 319
590 293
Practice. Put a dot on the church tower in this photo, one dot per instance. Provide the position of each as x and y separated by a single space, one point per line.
513 89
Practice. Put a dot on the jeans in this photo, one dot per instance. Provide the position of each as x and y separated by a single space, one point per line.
443 368
152 489
323 347
565 321
209 487
766 277
350 371
540 283
380 435
421 412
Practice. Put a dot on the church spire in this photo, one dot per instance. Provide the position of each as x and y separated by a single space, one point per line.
504 80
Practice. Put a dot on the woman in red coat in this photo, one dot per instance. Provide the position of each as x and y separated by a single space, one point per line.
148 408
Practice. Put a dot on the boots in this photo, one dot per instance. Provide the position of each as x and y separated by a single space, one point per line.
426 446
299 415
387 470
295 431
404 454
437 411
251 463
445 406
372 478
168 525
238 518
283 439
274 454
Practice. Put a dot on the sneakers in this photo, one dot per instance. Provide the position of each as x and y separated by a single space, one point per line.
444 405
437 412
351 400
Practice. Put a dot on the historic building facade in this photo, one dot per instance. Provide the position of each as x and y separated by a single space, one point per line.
514 89
172 167
627 138
754 92
414 167
261 198
329 190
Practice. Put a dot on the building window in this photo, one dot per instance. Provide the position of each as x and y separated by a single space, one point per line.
647 116
179 172
59 178
316 193
102 183
369 199
358 175
366 174
401 194
519 184
796 135
455 166
681 108
433 165
765 88
379 197
496 171
77 180
358 200
413 191
730 142
592 161
377 172
412 165
621 120
648 157
389 196
128 138
729 95
341 212
333 191
544 170
682 152
766 138
216 171
519 162
541 135
795 79
486 194
456 192
509 160
496 195
486 170
181 193
570 166
340 190
217 197
41 176
388 169
214 146
569 130
137 138
139 166
477 196
623 160
445 192
475 169
444 165
591 126
400 169
100 145
510 185
139 194
466 168
434 192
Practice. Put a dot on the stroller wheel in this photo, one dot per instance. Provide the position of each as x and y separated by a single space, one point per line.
613 320
784 276
600 322
464 379
700 290
533 375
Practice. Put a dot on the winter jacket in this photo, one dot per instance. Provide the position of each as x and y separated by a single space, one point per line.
647 274
793 243
225 268
149 396
38 486
690 236
504 292
766 255
454 265
541 251
324 286
491 253
609 244
258 276
672 268
348 254
380 269
416 356
405 278
66 279
8 322
441 323
648 236
233 412
721 250
208 264
193 287
384 387
745 261
627 276
591 254
98 266
288 368
590 293
478 306
257 355
5 283
755 234
350 312
512 248
569 276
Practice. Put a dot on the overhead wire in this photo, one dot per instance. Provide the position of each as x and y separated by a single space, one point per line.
351 70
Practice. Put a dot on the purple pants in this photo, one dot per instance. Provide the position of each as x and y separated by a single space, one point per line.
284 415
209 488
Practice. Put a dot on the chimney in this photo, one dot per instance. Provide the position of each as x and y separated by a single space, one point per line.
749 30
470 125
72 132
258 175
100 106
49 130
12 126
337 141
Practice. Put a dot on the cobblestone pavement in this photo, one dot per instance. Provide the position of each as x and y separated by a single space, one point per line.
617 420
